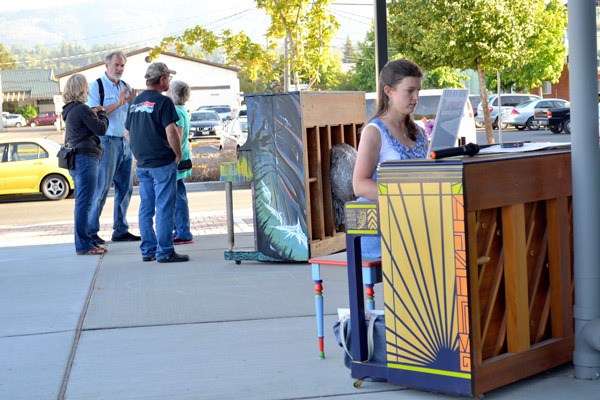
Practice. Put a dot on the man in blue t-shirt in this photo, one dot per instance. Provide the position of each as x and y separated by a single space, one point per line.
155 144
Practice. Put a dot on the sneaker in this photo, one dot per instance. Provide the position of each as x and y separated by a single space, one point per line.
98 239
148 258
126 237
182 241
174 257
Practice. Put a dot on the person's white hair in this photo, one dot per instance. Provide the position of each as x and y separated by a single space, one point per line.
180 92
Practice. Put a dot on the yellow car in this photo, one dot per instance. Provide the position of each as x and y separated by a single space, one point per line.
31 166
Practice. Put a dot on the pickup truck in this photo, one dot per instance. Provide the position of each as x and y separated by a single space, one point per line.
556 119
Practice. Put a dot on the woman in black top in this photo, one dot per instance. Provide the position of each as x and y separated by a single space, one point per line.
83 126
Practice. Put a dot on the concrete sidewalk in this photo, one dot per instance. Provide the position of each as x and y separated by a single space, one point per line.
114 327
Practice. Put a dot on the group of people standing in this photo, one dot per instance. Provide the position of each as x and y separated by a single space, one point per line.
108 125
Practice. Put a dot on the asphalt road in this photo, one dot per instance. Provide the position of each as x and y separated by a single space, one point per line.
34 209
21 210
211 143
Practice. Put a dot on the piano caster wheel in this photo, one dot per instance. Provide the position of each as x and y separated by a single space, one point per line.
357 383
238 262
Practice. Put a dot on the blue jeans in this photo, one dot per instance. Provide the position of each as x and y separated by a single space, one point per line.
182 213
115 167
85 176
158 187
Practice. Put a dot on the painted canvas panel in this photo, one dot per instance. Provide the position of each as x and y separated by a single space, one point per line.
278 171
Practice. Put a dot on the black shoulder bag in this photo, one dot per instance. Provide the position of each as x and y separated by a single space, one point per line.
66 157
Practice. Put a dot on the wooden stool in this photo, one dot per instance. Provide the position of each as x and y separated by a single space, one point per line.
371 274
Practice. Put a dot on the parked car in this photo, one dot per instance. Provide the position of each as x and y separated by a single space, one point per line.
204 122
235 134
13 120
43 118
31 166
507 100
224 111
522 116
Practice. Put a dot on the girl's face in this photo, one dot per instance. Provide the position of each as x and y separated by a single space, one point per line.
404 96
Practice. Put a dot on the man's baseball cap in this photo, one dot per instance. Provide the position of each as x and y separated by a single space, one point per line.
158 69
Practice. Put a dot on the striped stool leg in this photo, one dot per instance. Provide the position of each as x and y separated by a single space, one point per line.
316 275
369 280
370 292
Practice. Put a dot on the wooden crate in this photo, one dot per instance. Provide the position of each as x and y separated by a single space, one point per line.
329 118
290 140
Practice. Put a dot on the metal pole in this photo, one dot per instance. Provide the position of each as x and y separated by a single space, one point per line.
585 157
229 209
499 109
381 45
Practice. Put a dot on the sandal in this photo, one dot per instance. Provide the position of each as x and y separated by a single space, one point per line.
94 251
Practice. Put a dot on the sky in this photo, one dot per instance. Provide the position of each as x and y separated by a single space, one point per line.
136 23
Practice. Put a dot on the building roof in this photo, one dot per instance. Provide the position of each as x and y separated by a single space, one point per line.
146 50
28 83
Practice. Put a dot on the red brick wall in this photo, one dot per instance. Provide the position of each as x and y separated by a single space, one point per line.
560 89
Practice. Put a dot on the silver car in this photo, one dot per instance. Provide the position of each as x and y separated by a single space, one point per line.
521 116
16 120
509 100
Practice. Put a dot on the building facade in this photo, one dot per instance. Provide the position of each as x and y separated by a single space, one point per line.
210 83
22 87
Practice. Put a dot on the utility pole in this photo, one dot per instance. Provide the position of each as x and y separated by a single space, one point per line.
381 45
286 71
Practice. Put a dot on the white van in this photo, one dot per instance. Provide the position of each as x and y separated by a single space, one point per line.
429 99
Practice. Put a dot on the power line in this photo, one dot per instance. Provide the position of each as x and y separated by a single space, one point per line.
214 24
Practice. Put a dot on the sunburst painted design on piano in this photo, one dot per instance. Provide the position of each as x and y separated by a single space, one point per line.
425 228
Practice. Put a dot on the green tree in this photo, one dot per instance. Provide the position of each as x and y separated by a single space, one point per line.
65 57
349 53
306 25
544 54
486 35
7 60
239 51
307 28
364 77
28 111
444 77
336 78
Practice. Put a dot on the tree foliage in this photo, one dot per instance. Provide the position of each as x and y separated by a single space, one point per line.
29 111
364 77
484 35
7 60
258 64
307 28
444 77
544 54
349 53
66 57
